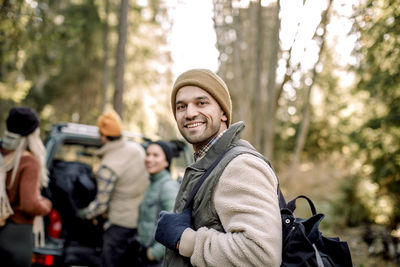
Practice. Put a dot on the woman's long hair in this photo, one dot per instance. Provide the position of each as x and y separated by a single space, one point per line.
19 144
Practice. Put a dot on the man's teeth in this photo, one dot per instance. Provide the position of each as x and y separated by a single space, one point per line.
193 125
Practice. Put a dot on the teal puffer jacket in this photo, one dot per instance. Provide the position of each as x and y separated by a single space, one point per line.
160 195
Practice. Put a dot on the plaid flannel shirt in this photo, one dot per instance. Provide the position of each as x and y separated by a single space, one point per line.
105 185
203 150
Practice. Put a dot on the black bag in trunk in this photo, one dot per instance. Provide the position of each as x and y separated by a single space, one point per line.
74 188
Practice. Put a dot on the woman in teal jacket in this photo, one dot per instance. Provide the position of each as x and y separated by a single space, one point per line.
160 195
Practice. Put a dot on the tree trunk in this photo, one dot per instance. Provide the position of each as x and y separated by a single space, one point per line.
120 58
106 54
269 123
237 66
248 41
257 99
305 123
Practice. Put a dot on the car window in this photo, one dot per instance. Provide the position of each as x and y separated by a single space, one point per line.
77 153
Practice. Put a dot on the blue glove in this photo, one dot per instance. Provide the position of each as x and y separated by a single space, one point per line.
170 227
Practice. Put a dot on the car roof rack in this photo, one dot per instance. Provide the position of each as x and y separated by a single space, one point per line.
90 130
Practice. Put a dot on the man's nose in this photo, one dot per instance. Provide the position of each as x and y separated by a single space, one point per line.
191 111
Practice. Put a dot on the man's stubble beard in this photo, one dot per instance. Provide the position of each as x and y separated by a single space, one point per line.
203 138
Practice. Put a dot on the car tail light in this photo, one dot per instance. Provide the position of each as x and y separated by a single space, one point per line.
54 227
41 259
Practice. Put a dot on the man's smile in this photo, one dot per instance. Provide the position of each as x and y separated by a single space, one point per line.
193 124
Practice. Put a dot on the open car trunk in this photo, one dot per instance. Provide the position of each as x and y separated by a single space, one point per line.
73 187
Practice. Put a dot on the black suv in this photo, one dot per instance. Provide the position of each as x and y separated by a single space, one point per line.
71 161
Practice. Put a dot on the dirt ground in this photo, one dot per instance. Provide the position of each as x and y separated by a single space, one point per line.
359 251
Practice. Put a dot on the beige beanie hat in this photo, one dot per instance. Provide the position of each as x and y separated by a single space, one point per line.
109 123
208 81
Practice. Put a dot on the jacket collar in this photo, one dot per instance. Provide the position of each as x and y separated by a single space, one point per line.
158 176
111 146
230 136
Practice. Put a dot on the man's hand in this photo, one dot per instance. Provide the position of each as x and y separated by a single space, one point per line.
170 227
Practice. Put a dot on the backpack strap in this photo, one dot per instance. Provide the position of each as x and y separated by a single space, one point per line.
291 205
203 178
282 201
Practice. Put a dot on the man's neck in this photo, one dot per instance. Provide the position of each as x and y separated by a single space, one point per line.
201 151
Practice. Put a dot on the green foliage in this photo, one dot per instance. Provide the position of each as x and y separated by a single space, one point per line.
17 19
72 53
354 211
329 126
379 72
52 58
54 48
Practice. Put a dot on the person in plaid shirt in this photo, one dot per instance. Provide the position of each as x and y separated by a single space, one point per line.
121 185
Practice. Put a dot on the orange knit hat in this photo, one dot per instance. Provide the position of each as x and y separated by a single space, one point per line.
109 123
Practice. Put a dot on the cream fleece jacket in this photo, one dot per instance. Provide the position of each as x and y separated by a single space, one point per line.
247 204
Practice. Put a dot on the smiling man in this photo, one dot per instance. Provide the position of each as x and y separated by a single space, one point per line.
199 116
234 219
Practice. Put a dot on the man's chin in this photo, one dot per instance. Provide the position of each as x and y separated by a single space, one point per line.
193 138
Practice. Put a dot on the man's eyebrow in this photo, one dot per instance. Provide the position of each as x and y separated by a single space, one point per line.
196 98
202 98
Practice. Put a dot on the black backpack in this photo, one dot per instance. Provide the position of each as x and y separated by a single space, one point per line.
303 245
302 242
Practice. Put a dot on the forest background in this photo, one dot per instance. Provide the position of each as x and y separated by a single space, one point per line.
316 81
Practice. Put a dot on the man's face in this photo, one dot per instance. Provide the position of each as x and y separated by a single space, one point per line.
198 115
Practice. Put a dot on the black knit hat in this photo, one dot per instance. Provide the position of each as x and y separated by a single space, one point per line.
171 149
22 120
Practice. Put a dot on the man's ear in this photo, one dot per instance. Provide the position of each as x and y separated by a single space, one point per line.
224 117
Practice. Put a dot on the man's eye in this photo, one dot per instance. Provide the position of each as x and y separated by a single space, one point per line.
202 103
180 107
